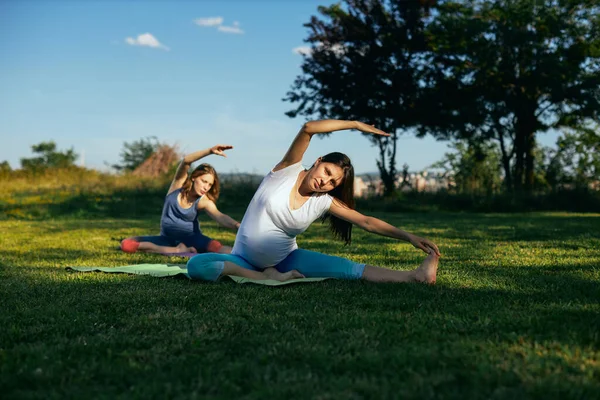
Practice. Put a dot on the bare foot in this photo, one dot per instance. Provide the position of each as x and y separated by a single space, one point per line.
182 248
427 271
272 273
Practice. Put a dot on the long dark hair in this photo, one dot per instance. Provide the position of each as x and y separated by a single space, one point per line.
200 170
344 194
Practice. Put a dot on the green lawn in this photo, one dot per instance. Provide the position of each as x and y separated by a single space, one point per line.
515 314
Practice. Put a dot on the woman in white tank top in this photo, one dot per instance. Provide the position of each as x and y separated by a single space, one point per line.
288 200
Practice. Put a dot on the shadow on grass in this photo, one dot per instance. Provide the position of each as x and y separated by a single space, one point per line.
523 287
528 339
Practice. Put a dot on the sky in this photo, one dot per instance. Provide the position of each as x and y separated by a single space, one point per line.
92 75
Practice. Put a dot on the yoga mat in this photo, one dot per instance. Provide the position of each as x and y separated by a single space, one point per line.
165 270
183 254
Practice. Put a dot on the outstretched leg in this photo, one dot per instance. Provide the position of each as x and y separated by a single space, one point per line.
425 273
154 244
318 265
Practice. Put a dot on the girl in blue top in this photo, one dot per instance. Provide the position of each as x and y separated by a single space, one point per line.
287 201
187 195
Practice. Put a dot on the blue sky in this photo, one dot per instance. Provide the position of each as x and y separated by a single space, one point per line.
94 74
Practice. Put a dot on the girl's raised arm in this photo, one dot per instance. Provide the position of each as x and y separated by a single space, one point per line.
182 170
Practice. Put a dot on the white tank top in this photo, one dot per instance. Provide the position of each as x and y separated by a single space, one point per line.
269 228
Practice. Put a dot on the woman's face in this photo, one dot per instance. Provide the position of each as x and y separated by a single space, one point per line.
203 183
324 177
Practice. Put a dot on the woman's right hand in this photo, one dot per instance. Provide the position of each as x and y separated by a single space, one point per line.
219 149
424 244
361 126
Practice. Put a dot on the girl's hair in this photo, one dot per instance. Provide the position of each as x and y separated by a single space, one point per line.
344 192
200 170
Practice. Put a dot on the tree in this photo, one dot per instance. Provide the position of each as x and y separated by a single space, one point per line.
49 157
474 167
5 167
364 65
506 70
136 152
576 161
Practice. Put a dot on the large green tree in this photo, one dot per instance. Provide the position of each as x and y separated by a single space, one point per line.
364 65
507 70
49 157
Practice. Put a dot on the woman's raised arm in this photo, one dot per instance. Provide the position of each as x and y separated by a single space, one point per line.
300 143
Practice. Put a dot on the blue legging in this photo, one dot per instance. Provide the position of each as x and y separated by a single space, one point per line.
200 242
209 266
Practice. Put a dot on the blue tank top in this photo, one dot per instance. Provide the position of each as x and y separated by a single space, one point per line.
177 221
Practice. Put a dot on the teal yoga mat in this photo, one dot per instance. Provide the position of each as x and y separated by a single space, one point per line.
166 270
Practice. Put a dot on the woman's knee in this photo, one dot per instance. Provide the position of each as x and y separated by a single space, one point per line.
317 265
205 267
210 266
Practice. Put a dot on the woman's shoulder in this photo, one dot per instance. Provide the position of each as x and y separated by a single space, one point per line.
173 192
284 169
204 202
323 198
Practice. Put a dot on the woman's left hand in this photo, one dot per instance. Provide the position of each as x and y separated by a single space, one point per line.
366 128
424 244
219 149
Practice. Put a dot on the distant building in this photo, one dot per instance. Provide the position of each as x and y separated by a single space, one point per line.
360 187
425 181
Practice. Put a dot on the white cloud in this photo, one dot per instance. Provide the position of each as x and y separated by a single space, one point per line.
302 50
218 22
146 39
231 29
337 49
210 21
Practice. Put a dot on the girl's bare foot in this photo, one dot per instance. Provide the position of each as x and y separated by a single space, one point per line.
427 271
182 248
272 273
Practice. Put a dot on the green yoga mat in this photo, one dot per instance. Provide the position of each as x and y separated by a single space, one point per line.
165 270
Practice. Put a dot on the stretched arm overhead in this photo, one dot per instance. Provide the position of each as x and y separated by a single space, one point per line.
300 143
375 225
182 170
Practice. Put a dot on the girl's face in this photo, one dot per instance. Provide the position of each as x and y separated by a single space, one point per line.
324 176
203 183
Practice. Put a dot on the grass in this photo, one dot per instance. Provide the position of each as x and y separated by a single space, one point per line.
515 314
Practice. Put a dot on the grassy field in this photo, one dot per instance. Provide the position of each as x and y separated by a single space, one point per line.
515 314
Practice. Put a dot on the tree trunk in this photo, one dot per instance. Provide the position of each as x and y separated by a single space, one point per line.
387 176
519 163
529 160
526 124
505 163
